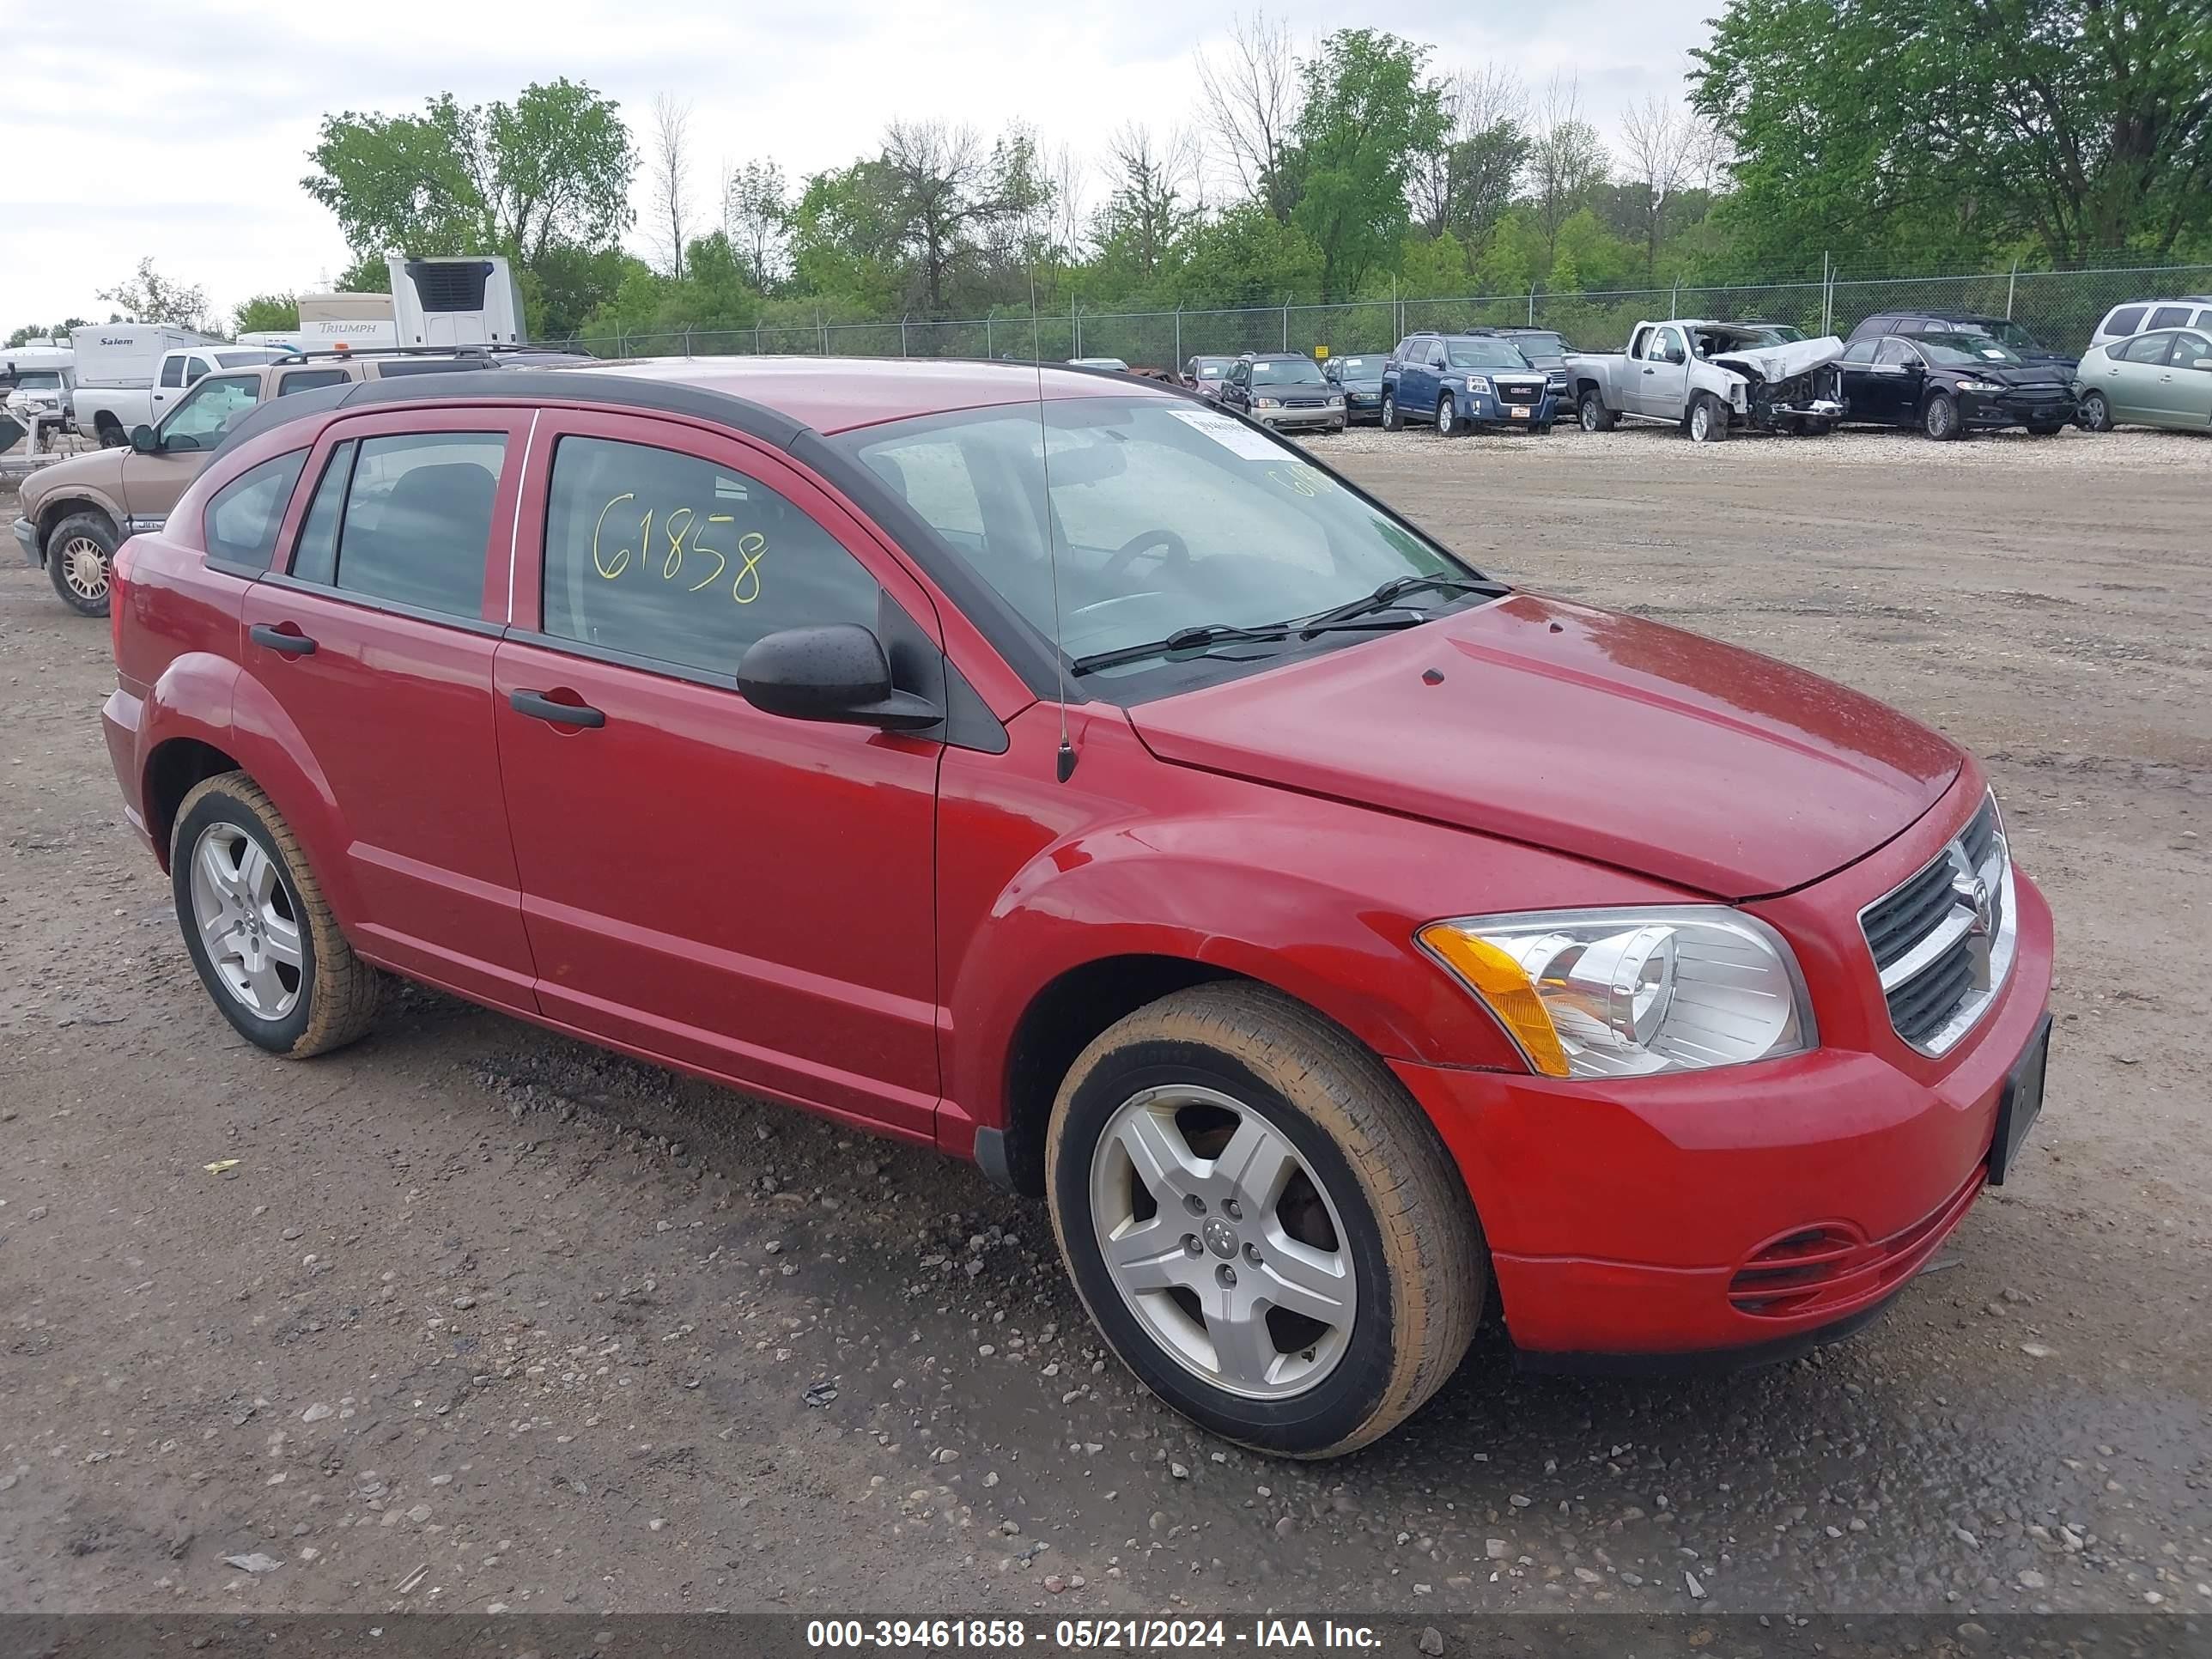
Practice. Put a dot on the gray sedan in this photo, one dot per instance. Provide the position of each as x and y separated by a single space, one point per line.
2160 379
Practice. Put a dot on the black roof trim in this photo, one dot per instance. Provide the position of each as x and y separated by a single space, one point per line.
535 389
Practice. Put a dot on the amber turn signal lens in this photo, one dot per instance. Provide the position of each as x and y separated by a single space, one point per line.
1498 978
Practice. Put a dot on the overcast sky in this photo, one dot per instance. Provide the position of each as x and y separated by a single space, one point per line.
181 131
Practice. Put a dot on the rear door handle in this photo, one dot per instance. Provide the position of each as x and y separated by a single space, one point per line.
292 643
539 707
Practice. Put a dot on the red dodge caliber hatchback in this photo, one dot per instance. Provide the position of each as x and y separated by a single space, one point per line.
1057 770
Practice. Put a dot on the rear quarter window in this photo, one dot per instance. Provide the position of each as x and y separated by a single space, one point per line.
2126 320
244 516
2170 317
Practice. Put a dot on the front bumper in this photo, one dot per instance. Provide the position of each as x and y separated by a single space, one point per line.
1363 405
1486 409
1300 420
1996 410
1619 1213
26 537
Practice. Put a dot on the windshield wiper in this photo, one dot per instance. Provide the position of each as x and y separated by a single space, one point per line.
1388 595
1207 636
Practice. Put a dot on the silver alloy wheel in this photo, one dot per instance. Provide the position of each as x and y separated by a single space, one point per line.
2096 413
1236 1262
1445 410
247 922
84 567
1701 421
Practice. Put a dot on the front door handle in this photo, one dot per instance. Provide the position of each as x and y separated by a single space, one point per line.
539 707
287 639
1651 371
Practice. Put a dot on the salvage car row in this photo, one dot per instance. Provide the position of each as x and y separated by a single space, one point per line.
1946 373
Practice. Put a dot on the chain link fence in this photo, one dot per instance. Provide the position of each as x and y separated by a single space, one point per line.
2060 307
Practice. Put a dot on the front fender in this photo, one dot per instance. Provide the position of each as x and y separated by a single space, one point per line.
1318 898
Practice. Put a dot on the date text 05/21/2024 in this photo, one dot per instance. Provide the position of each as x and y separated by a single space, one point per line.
1260 1636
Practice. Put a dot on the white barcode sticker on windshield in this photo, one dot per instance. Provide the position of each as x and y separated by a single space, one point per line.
1231 434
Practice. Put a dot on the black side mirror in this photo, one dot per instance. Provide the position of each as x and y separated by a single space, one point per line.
837 673
143 440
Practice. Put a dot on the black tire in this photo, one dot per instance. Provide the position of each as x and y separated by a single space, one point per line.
1390 421
2046 428
1420 1270
110 432
1591 410
1448 425
337 992
1707 421
1939 418
2096 413
1816 426
68 551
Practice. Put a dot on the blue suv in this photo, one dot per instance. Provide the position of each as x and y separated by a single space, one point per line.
1464 380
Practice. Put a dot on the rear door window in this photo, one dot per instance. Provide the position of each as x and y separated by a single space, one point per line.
653 553
172 371
406 520
1893 353
306 380
246 514
1860 351
2126 320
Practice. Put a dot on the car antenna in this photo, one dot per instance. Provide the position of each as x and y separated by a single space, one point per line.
1066 758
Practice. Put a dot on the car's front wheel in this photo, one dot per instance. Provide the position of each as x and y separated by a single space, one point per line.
2096 413
80 561
1447 416
1709 419
256 926
1264 1227
1389 417
1939 420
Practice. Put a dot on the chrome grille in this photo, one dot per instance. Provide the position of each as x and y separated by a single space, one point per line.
1942 942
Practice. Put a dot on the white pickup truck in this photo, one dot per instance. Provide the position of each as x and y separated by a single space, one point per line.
130 374
1709 377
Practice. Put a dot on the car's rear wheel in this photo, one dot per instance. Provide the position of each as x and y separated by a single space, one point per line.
1595 416
256 926
80 561
1708 419
1264 1227
1940 419
2096 413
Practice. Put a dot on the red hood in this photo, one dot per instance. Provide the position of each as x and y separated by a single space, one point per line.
1603 736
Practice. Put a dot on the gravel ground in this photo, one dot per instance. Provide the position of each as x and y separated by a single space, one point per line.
480 1318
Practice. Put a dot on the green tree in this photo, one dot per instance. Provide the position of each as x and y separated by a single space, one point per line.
266 313
1955 126
1368 112
147 296
552 169
713 295
1247 257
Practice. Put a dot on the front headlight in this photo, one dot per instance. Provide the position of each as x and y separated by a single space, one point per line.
1630 992
1479 382
1266 403
1979 386
1336 402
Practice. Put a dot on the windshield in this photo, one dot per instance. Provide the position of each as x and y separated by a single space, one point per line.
1286 371
1484 353
1162 515
2013 335
1540 346
1359 369
1775 333
1965 350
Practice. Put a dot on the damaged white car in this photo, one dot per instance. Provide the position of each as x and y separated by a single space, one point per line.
1709 378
